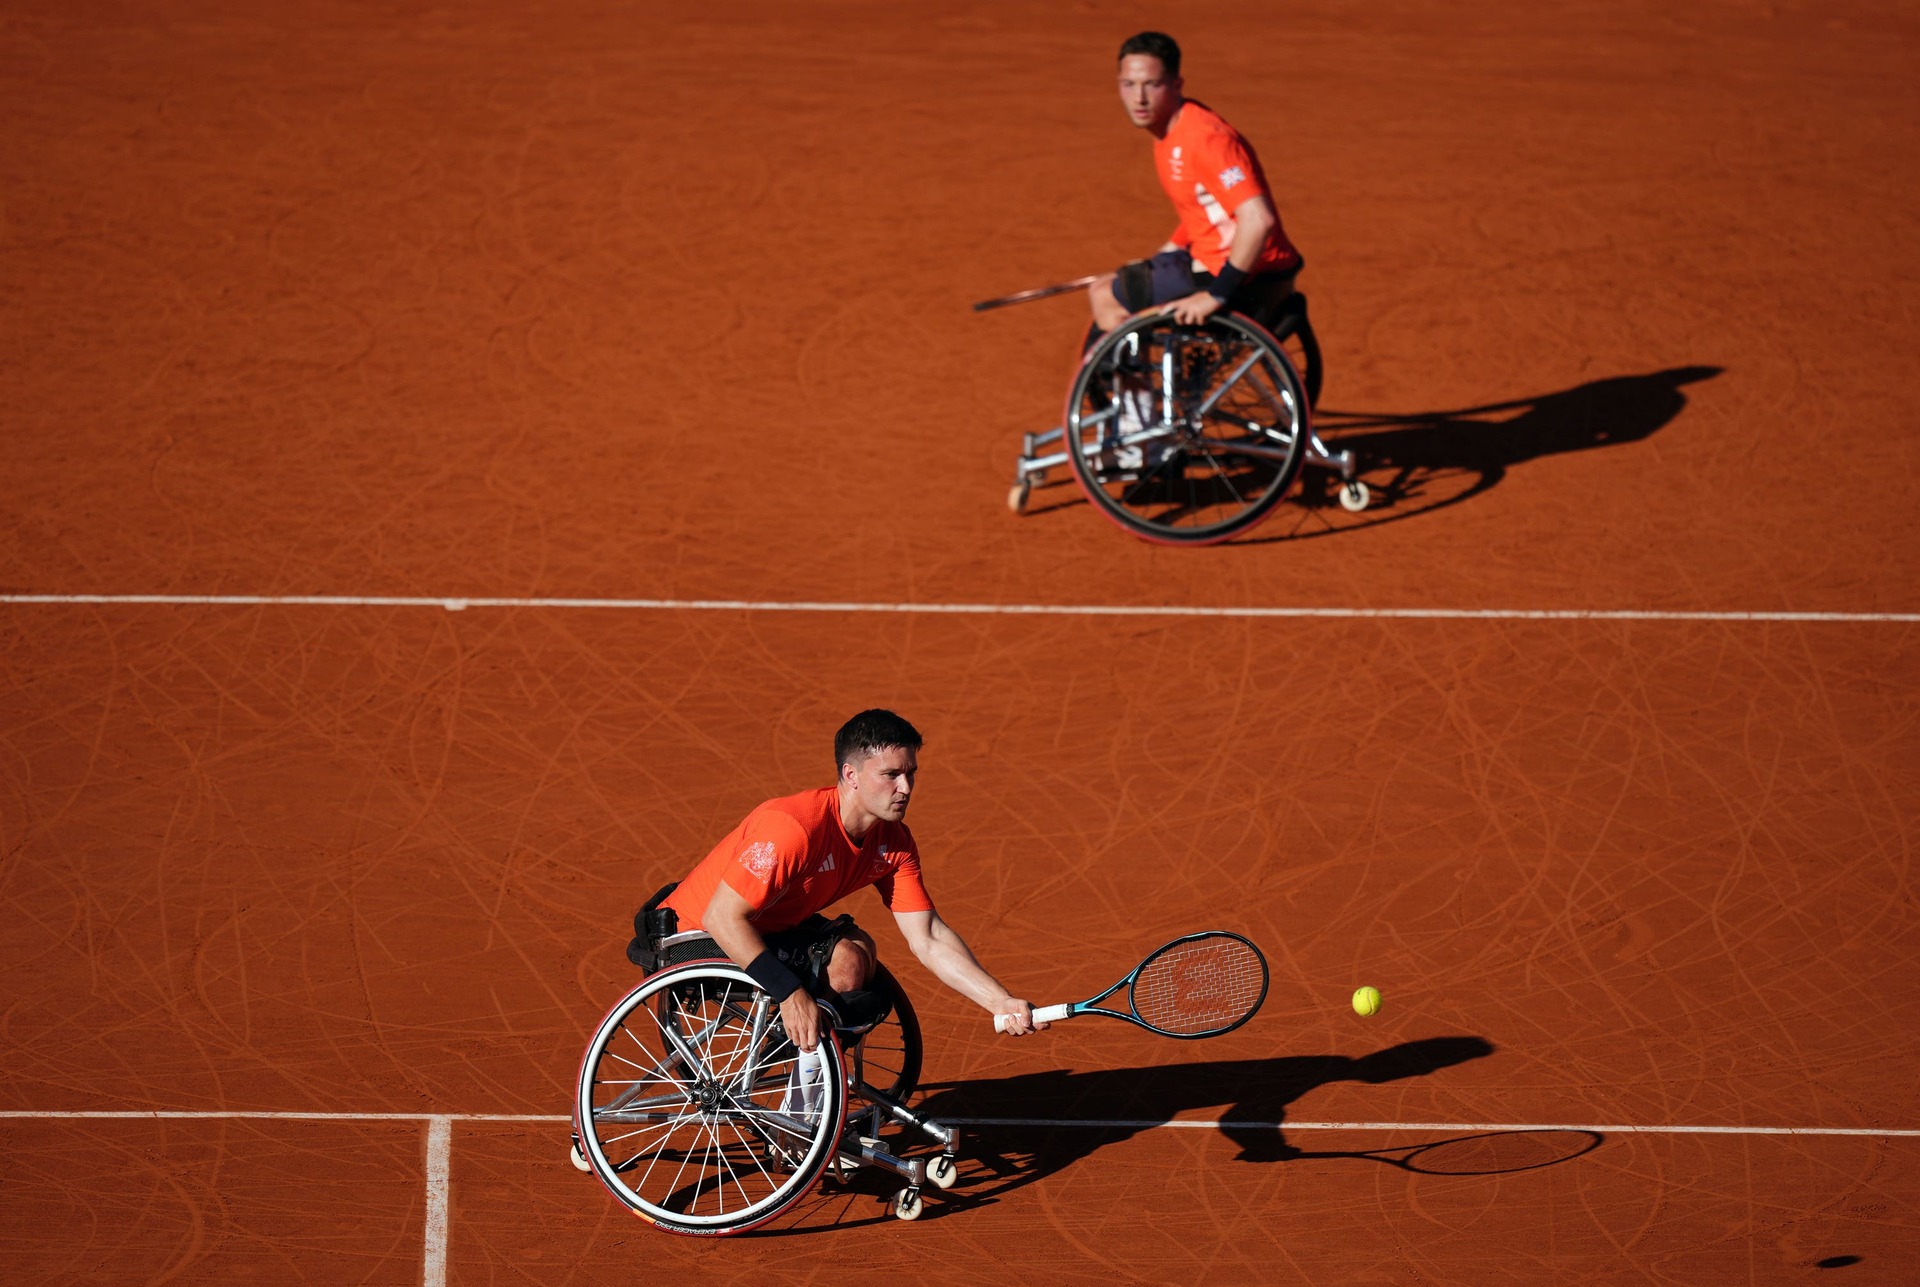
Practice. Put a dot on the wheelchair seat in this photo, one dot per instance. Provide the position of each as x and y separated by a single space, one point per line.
1267 298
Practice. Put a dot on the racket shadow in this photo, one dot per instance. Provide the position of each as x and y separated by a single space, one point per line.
1254 1095
1486 1153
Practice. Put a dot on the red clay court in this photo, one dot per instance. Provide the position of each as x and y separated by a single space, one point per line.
421 423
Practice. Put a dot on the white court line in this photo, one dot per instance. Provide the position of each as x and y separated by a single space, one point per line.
1449 1127
439 1163
1082 1123
169 1114
439 1141
956 609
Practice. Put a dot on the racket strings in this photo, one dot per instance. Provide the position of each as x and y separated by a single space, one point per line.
1200 986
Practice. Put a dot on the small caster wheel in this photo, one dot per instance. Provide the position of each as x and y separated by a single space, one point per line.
1354 496
943 1171
579 1159
1017 496
906 1204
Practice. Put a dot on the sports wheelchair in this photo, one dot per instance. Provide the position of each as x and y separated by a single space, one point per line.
1190 435
698 1114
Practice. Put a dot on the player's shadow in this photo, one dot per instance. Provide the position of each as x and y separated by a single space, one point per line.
1255 1095
1422 461
1013 1133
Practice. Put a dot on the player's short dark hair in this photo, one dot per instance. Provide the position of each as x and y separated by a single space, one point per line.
1155 44
869 733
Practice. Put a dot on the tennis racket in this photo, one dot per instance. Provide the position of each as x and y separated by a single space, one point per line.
1202 985
1038 292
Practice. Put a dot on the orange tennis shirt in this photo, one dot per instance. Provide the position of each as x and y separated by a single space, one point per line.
791 858
1208 172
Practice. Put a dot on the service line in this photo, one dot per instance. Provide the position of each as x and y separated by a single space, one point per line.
450 604
1062 1123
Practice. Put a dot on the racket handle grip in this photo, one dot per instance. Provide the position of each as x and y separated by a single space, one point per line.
1044 1014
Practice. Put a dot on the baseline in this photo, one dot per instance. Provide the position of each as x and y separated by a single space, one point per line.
452 604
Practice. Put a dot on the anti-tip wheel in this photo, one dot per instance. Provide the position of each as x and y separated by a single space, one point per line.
906 1204
1354 496
943 1171
1017 496
579 1159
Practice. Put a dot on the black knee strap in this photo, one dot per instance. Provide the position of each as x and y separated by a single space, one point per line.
1136 285
860 1010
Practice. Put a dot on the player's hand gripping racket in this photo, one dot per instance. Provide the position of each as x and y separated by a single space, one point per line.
1198 986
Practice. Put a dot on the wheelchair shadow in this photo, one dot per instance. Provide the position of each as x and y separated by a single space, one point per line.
1423 461
1255 1094
1420 462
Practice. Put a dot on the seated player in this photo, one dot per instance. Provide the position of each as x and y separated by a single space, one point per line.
1228 231
760 892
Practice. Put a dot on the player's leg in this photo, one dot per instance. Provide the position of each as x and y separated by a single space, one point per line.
1108 311
850 966
1139 286
830 956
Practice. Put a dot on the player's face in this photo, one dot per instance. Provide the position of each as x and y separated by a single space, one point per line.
883 783
1150 96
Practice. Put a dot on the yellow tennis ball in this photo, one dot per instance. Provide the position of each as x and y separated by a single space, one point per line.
1366 1001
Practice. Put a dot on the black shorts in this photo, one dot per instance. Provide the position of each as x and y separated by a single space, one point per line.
808 946
1172 274
1169 275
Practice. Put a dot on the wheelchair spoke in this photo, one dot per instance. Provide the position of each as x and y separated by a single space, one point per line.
1139 485
1221 474
679 1045
1282 403
726 1165
668 1126
1246 364
653 1066
753 1155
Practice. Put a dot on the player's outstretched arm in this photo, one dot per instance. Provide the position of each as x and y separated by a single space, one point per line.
937 946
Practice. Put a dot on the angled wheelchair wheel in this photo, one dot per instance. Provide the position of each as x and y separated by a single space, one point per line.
695 1110
1296 338
1274 305
1186 435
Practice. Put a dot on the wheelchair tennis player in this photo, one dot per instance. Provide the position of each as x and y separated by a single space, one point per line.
1229 232
760 893
701 1115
